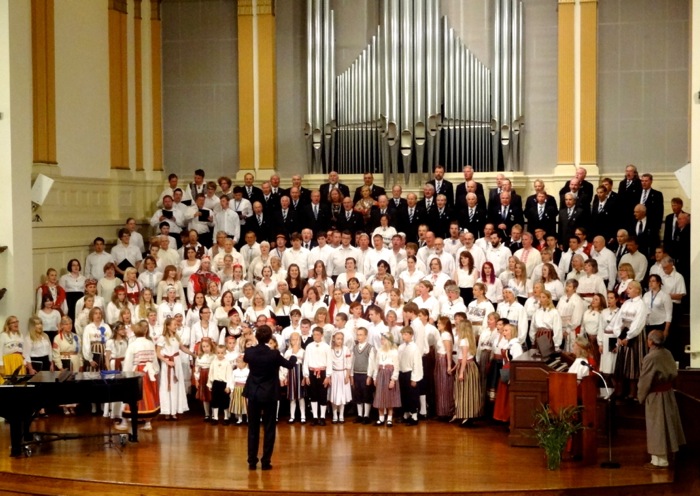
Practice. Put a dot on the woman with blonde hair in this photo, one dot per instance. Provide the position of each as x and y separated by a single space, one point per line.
546 322
65 354
626 275
467 385
38 347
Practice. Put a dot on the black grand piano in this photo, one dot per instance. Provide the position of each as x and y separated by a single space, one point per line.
21 399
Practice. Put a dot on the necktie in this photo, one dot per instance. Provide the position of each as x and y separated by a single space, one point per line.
284 214
397 201
540 211
260 220
150 280
571 262
645 194
438 185
629 183
503 212
250 192
347 214
441 212
471 214
571 213
410 215
316 211
295 204
675 228
600 207
428 204
267 198
640 228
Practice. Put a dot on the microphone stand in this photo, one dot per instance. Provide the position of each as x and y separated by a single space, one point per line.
610 463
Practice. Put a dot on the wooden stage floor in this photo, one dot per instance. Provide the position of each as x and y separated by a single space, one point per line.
190 457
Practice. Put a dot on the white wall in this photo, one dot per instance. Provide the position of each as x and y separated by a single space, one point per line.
82 88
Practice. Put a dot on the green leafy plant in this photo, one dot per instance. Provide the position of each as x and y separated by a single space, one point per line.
553 430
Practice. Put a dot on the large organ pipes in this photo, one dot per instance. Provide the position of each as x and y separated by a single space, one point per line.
508 56
416 96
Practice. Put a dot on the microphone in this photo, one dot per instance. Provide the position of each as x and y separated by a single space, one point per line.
587 365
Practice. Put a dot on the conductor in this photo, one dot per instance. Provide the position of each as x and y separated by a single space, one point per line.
262 391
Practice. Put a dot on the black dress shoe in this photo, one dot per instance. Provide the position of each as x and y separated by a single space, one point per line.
358 420
322 422
267 467
367 421
252 466
314 422
410 422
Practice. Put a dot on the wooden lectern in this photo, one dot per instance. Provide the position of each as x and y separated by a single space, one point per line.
533 383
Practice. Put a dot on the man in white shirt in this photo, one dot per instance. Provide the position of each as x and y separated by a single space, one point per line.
469 244
178 204
607 264
298 255
527 254
125 255
566 262
227 220
321 252
376 327
428 249
446 259
200 219
170 189
373 256
498 254
336 260
485 241
95 261
136 238
317 370
251 249
229 249
673 282
168 214
241 206
453 243
166 255
635 258
398 242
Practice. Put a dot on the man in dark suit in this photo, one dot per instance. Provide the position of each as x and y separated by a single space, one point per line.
505 215
261 223
376 212
583 185
270 201
285 219
349 219
542 214
333 183
304 193
296 201
583 200
428 201
251 192
315 215
647 235
440 217
473 217
463 188
671 221
411 217
629 189
680 248
396 203
605 217
571 216
443 186
653 200
375 191
262 390
531 200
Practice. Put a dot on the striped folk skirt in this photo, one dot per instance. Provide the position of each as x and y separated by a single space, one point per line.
629 358
97 349
385 397
238 403
295 384
203 392
149 404
444 388
468 393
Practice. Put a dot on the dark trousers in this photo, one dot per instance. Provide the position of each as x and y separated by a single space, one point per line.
316 390
268 409
410 396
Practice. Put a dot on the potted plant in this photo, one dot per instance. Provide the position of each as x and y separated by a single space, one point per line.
554 428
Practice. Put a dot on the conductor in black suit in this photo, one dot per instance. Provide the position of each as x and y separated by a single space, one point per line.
375 191
262 391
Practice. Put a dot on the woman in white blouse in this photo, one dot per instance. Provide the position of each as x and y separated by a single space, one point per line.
409 278
546 322
607 342
479 309
384 230
267 285
436 277
74 284
660 307
492 284
188 266
550 279
37 348
465 276
311 305
593 324
350 272
257 308
235 285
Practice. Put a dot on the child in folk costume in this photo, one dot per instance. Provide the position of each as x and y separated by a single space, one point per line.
141 357
95 336
115 351
12 347
385 375
363 354
219 383
410 374
232 350
339 392
510 348
169 348
66 354
444 375
571 307
201 375
37 347
467 387
484 355
293 378
239 377
318 364
607 342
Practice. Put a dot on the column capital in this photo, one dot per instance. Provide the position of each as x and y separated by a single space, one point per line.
137 9
256 7
118 5
155 10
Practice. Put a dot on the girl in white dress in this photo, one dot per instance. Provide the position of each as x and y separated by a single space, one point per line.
169 349
170 306
409 278
492 284
593 324
339 392
607 342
